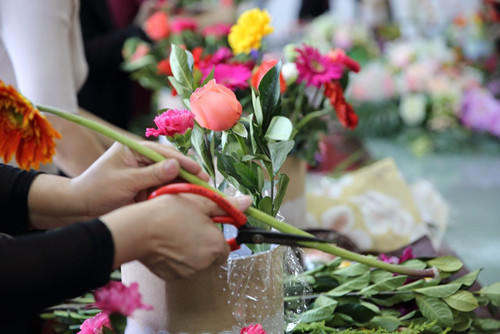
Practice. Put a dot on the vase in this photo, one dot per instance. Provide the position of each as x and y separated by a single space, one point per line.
293 207
221 299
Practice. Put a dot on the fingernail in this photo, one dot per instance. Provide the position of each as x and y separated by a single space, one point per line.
244 202
171 166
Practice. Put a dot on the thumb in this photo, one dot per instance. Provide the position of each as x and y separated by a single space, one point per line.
158 173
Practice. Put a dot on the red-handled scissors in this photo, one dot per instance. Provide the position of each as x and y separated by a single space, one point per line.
246 234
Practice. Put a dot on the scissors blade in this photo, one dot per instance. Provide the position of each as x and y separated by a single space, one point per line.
258 236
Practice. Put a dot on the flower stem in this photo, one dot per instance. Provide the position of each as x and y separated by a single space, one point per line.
252 212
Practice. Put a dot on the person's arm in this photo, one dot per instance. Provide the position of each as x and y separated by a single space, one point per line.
43 269
44 44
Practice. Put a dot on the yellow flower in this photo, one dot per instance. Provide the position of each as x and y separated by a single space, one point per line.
24 131
249 30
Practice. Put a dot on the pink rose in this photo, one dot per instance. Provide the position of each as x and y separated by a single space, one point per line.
183 23
94 325
157 26
171 122
140 51
217 30
253 329
115 297
215 107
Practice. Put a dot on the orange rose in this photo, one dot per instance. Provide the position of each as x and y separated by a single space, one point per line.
262 70
215 107
157 26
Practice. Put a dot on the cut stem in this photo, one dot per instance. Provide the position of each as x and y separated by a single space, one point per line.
252 212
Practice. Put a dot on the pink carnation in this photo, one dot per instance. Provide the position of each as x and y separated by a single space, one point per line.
183 23
316 69
217 30
94 325
170 122
115 297
253 329
233 76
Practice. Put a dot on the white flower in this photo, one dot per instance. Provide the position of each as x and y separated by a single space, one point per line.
412 109
290 73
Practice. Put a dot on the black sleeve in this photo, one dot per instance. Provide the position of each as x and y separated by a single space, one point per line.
40 270
14 188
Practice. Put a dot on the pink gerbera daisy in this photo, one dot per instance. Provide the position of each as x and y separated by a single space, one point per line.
316 69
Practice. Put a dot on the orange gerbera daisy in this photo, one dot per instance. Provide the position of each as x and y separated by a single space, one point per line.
24 131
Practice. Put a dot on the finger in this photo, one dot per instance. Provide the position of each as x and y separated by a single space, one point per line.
157 174
210 208
186 162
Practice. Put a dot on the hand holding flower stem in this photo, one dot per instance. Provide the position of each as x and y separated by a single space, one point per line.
251 212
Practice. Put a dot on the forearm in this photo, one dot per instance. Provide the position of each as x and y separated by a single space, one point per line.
53 203
103 139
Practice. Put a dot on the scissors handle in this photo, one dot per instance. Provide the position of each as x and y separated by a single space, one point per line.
234 217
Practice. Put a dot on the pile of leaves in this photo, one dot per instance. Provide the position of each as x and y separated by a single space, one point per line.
353 298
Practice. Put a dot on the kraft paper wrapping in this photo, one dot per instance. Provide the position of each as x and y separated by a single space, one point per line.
222 299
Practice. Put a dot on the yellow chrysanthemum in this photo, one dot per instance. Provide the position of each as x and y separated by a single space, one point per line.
246 35
24 131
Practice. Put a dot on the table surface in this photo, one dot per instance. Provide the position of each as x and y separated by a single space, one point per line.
470 183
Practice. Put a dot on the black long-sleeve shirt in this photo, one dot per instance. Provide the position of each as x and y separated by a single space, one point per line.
40 269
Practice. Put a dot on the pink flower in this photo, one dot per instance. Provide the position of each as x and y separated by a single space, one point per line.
316 69
253 329
170 122
94 325
233 76
217 30
183 23
339 56
140 51
115 297
407 255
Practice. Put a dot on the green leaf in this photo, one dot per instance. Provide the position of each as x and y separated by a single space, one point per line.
325 301
278 152
269 93
435 310
355 269
180 66
354 284
266 205
414 264
386 285
282 186
323 310
390 324
357 311
209 77
180 88
280 128
240 130
198 140
468 279
462 322
380 275
492 292
246 176
412 285
462 301
408 316
257 108
446 263
119 322
487 324
440 291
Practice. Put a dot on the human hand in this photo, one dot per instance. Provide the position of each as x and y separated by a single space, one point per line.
121 177
172 235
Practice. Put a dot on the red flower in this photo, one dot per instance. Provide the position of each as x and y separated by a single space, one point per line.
253 329
157 26
217 30
170 122
183 23
95 324
339 56
163 67
261 72
345 111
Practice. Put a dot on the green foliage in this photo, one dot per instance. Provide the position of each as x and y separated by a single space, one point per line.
371 301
